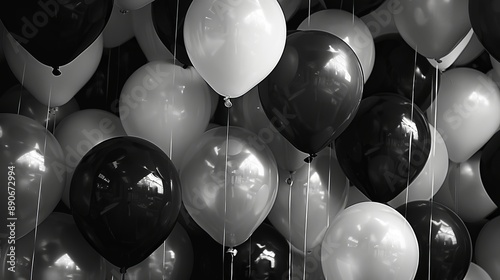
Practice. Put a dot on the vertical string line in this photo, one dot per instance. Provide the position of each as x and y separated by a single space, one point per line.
290 183
225 194
306 218
22 89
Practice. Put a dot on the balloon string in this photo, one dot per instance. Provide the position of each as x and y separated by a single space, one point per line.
290 183
22 90
306 218
225 188
309 14
108 73
328 190
175 34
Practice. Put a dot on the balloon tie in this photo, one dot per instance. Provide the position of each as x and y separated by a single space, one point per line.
123 271
124 11
310 158
56 71
185 66
227 102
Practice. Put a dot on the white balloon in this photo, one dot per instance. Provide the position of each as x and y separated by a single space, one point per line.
118 29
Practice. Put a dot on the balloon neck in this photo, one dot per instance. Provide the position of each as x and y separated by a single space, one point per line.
310 158
56 71
53 110
227 102
289 180
124 11
185 66
232 251
123 271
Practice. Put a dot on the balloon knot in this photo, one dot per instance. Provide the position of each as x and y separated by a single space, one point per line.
289 181
310 158
232 251
185 66
56 71
53 110
123 270
124 11
227 102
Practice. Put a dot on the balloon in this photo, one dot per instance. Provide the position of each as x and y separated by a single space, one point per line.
385 147
48 87
381 20
248 112
470 53
234 44
314 91
119 29
264 256
488 167
357 7
433 28
495 65
475 272
146 35
80 132
446 248
430 180
324 193
60 253
351 29
33 177
228 186
173 260
125 197
55 33
17 99
485 22
369 240
466 98
400 69
167 105
487 249
168 19
464 186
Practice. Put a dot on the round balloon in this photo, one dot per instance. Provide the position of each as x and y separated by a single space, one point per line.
125 198
475 272
34 175
385 147
487 249
484 19
348 27
229 183
313 93
370 240
57 251
234 44
487 167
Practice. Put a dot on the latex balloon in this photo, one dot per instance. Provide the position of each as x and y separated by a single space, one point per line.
444 241
17 99
119 28
464 186
146 35
80 132
348 27
264 256
357 246
313 93
55 33
400 69
430 180
357 7
248 112
466 98
234 44
58 251
235 186
495 65
488 166
483 17
321 188
130 5
433 28
385 147
173 260
167 105
48 87
475 272
125 197
470 53
289 7
168 19
380 21
487 249
34 175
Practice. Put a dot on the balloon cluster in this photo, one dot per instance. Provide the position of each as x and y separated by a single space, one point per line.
263 139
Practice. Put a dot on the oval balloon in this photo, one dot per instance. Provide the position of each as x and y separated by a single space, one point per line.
234 44
235 186
323 193
313 93
125 198
443 239
433 28
487 248
348 27
385 147
483 17
34 175
475 272
357 246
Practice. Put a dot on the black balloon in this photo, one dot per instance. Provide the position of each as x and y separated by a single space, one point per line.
168 19
312 94
55 32
385 147
125 198
357 7
484 17
399 69
443 237
489 167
